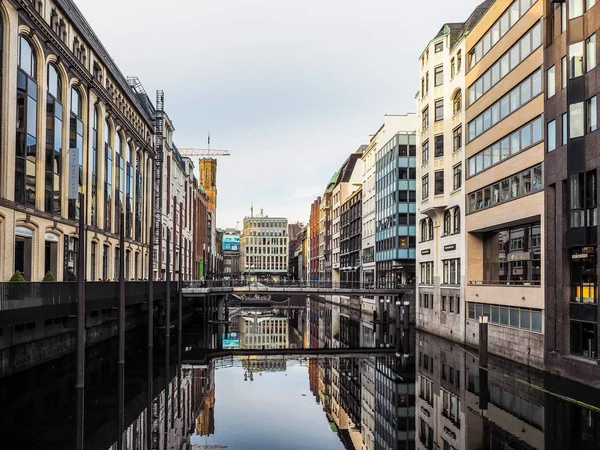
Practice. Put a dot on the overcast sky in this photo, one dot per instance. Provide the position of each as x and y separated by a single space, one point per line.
290 87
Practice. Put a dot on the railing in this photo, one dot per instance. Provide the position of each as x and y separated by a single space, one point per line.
296 284
29 295
505 282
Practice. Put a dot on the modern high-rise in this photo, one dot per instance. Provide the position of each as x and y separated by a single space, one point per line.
395 210
440 192
264 247
571 189
504 155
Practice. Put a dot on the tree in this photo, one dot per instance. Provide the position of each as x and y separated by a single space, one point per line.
17 277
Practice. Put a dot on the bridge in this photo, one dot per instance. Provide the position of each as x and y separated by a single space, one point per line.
284 287
200 357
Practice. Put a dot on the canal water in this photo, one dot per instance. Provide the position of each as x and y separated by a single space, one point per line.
432 396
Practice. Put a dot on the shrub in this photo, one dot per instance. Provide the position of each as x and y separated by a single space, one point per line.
49 277
71 276
17 277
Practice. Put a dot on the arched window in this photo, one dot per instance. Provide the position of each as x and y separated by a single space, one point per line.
457 220
26 145
424 230
119 181
108 178
94 165
76 146
54 138
129 193
139 190
457 102
430 229
447 222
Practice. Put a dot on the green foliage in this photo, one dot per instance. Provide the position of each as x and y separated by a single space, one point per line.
17 277
49 277
71 276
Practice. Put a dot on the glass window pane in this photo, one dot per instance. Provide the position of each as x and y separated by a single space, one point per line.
515 143
495 314
536 320
592 115
576 60
514 317
526 46
537 130
515 99
526 136
576 116
565 127
504 315
31 117
537 83
590 53
551 81
526 318
551 135
525 92
514 57
536 36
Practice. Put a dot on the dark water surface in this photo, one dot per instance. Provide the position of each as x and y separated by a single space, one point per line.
432 397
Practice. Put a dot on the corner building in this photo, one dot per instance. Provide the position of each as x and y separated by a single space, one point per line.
571 190
66 104
504 155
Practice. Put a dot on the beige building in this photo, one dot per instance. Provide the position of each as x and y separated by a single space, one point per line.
504 153
440 191
71 123
264 331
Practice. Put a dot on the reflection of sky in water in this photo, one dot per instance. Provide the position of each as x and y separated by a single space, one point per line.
269 412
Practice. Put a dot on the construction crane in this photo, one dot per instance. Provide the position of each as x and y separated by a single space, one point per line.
202 152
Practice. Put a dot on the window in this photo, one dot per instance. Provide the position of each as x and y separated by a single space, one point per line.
457 220
507 63
551 81
457 138
451 273
513 255
439 145
439 182
565 128
108 179
427 273
582 199
590 53
591 114
425 118
54 120
518 185
457 177
551 135
424 230
76 144
589 4
531 87
26 143
430 226
576 60
139 203
563 72
526 137
575 8
576 127
425 187
443 303
439 46
452 68
425 152
563 17
457 103
439 110
447 222
438 78
523 318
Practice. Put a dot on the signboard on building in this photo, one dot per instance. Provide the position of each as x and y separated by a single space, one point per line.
201 268
73 154
231 242
231 340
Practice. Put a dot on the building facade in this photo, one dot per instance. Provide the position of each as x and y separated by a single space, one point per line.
231 254
395 210
313 239
440 194
351 239
504 154
264 248
571 191
71 123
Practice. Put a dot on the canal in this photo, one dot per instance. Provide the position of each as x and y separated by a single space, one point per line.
432 395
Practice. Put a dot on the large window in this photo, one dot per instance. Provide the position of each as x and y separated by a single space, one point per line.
457 177
139 191
507 63
513 255
584 302
26 144
509 103
457 103
508 189
108 179
551 81
590 53
551 135
576 60
438 76
439 110
427 272
457 138
522 139
425 187
439 182
119 181
129 193
524 318
591 114
94 164
576 120
451 269
76 145
425 119
447 222
516 10
457 220
54 120
583 200
439 145
425 152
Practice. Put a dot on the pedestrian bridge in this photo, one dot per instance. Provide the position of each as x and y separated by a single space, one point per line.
241 287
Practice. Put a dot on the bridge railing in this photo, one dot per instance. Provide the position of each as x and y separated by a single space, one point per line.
34 294
297 284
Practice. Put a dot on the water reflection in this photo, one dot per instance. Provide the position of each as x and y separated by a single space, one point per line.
424 392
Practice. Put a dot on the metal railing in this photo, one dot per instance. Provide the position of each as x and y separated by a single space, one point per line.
35 294
297 284
505 282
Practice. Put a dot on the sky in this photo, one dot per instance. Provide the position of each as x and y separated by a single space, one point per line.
289 87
